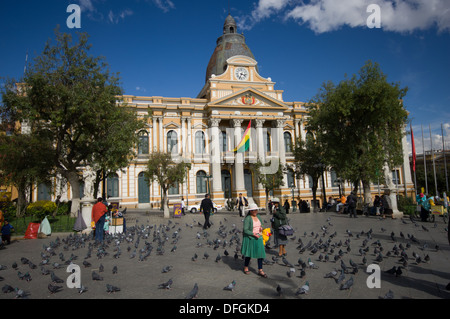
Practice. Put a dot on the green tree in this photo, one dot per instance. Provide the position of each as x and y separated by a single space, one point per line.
270 181
161 167
360 125
73 97
24 161
308 156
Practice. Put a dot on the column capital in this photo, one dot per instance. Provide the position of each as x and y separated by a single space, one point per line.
259 122
280 123
237 122
214 122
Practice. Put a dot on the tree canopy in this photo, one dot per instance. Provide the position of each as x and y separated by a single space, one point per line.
74 98
360 124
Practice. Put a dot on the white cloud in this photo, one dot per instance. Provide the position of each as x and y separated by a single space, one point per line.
116 18
164 5
330 15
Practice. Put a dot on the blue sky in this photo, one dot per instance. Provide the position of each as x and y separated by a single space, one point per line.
162 47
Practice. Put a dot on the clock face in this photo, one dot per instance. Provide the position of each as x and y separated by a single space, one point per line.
241 74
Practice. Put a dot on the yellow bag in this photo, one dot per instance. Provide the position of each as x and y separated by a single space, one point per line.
266 233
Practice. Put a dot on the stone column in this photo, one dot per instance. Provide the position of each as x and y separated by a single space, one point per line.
154 135
297 130
260 140
161 137
238 160
189 137
217 193
183 137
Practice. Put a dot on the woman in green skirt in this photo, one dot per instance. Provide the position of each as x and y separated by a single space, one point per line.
252 241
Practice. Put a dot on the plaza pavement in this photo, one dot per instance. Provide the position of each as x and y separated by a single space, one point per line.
140 279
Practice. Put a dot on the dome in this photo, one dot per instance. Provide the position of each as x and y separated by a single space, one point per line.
229 44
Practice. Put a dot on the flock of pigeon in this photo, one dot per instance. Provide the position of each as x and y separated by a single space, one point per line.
144 242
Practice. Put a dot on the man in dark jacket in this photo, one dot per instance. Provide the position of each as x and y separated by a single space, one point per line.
351 201
206 208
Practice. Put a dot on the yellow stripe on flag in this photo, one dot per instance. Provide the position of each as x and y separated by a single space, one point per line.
245 142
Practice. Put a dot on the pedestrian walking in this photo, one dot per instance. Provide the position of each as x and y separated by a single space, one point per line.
98 217
352 200
286 206
206 208
252 240
241 201
279 219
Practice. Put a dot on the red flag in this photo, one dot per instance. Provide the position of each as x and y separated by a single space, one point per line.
413 149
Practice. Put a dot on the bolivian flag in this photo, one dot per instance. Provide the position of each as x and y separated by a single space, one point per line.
245 142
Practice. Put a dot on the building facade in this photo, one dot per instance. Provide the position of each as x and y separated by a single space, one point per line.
205 130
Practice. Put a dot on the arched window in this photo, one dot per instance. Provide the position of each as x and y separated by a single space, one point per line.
334 179
287 142
172 142
143 147
201 182
200 143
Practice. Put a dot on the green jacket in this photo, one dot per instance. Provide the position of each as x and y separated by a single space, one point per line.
248 226
279 218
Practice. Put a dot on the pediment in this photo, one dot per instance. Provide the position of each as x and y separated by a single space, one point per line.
248 98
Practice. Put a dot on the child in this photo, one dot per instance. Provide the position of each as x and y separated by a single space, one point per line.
7 228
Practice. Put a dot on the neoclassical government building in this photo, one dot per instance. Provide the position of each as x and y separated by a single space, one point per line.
204 131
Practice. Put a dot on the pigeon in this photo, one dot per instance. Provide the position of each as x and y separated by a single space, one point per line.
287 263
279 291
389 295
424 228
96 276
231 286
111 289
218 258
303 289
194 258
331 274
348 284
392 271
7 289
291 272
55 278
167 269
101 268
82 289
20 293
166 285
114 270
54 289
311 264
193 293
86 264
341 277
205 255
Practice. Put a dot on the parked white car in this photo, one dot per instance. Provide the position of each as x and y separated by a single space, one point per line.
196 208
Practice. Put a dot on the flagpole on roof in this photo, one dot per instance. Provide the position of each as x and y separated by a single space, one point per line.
413 144
434 164
424 162
445 160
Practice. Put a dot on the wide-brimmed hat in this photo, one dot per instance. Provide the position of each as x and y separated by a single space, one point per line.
252 206
275 200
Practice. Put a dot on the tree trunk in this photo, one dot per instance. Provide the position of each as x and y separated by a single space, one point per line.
367 192
314 191
21 202
73 179
166 204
